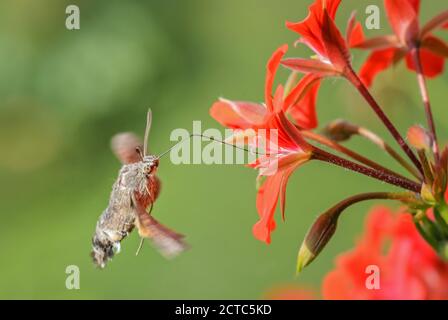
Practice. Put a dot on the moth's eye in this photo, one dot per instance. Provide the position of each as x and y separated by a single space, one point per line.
147 169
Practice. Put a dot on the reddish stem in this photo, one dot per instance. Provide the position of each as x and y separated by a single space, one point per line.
404 183
354 79
425 97
352 154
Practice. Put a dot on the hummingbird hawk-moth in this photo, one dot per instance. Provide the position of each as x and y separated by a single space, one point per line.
133 195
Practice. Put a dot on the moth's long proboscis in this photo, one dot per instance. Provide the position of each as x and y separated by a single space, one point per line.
211 139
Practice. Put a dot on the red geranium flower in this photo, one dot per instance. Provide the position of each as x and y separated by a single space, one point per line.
282 159
320 33
409 267
283 156
408 35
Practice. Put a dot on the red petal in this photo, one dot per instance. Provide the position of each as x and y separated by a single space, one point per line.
311 27
284 184
378 43
268 195
403 18
415 4
315 66
267 199
304 112
434 23
432 64
272 67
237 114
375 63
335 46
285 126
435 45
354 34
278 99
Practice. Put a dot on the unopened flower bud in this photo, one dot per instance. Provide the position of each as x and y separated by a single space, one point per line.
419 138
340 130
317 238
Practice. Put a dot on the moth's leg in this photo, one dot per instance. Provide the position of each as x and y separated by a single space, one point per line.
124 233
137 209
140 246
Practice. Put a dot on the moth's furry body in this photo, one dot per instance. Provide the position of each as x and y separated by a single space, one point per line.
135 190
133 187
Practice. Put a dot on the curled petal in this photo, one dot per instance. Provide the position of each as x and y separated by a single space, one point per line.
300 90
432 64
237 114
354 33
375 63
272 67
311 27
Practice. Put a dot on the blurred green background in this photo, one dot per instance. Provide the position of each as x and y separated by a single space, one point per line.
63 94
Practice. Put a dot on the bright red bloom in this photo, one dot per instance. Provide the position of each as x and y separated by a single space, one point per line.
288 152
320 33
408 35
409 267
284 157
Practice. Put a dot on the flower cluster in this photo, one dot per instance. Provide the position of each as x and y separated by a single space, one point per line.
391 243
290 110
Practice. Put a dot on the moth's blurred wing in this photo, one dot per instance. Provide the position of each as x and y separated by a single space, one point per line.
124 145
168 242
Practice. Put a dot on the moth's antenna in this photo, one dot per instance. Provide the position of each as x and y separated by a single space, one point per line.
148 128
212 139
